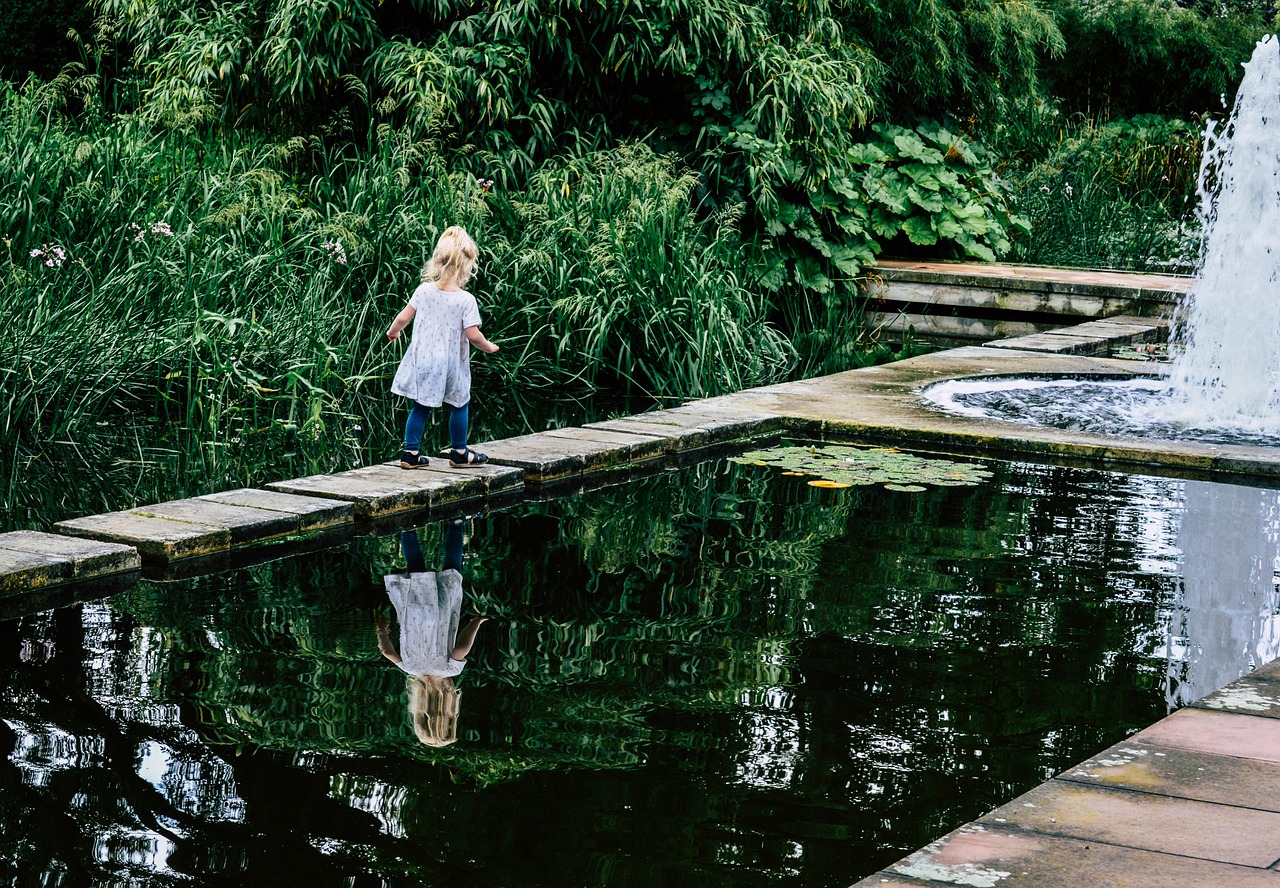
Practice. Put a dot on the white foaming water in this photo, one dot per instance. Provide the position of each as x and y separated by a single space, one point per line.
1228 372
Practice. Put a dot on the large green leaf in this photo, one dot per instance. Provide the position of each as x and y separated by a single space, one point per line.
918 229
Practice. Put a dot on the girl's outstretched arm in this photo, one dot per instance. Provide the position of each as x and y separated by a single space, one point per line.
402 320
477 339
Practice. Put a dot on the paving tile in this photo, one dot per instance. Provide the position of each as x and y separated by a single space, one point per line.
496 478
245 525
545 457
1246 696
314 513
1138 820
89 558
635 446
20 571
1221 733
676 437
382 490
1181 773
697 425
1055 343
991 856
162 538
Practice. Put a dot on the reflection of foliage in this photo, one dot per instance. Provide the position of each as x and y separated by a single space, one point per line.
841 466
658 595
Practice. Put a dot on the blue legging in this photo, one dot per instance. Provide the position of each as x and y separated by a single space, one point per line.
417 422
412 548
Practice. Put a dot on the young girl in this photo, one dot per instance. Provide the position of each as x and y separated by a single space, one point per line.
436 368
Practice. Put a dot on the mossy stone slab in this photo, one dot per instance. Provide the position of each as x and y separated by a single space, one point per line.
998 857
21 571
154 537
381 490
1223 833
89 558
1055 343
635 447
1180 773
696 425
314 513
545 457
245 525
497 479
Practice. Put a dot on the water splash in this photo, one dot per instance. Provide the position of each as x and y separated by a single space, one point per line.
1229 370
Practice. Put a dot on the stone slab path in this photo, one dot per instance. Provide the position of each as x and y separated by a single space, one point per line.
32 560
1192 800
205 525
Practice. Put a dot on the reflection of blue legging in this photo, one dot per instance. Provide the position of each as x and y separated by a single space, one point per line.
412 548
417 422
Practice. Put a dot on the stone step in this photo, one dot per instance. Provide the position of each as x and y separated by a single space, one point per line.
382 490
31 560
549 456
697 425
205 525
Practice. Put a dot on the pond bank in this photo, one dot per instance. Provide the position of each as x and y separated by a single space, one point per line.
1192 800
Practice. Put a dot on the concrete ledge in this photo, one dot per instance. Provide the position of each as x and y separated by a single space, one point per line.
1068 282
1190 800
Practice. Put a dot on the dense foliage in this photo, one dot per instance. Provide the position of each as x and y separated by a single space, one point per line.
225 202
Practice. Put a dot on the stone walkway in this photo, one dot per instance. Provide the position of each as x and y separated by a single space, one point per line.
1193 800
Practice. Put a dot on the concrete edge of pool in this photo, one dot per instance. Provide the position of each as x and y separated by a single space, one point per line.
1192 800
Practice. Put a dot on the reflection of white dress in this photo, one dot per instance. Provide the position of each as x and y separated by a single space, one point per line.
429 607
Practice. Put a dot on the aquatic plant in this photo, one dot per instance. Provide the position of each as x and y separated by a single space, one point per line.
838 466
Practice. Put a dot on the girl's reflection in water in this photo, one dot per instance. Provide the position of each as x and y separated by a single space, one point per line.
432 647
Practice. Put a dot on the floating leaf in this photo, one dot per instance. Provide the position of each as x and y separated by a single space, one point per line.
840 466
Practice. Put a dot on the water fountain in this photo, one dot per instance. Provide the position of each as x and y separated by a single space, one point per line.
1224 382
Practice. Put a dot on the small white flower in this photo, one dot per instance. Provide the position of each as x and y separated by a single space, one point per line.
51 255
336 250
1068 190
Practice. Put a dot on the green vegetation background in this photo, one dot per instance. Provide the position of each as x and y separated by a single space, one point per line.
211 211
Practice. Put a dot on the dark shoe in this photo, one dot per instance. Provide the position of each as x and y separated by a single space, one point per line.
461 459
413 460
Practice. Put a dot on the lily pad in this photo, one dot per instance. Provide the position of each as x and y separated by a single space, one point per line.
839 466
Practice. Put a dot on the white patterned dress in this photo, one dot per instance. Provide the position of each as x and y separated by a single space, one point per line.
429 608
436 368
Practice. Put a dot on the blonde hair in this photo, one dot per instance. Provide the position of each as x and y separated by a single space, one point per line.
454 260
433 705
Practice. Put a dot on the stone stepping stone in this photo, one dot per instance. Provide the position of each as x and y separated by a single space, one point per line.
1055 343
387 489
205 525
692 426
562 453
32 560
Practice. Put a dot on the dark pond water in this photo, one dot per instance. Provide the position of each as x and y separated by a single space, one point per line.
714 677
